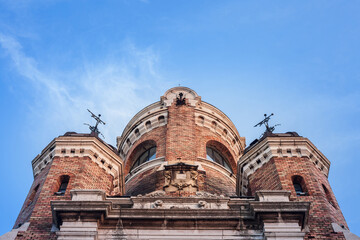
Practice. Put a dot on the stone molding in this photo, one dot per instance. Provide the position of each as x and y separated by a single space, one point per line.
137 127
87 195
347 234
272 196
192 98
206 116
283 230
145 166
83 146
278 147
215 166
80 216
161 163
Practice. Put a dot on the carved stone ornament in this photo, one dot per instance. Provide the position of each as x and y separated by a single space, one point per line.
180 177
155 194
180 100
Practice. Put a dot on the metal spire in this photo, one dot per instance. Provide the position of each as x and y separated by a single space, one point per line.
269 129
94 129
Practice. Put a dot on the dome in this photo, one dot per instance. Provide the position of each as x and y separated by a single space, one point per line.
180 144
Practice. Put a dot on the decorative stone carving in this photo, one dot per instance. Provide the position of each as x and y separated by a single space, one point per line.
180 177
157 204
155 194
202 204
207 195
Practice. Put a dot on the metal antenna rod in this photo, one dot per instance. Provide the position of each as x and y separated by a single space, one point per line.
94 129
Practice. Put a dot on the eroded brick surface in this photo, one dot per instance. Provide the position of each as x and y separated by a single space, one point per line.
277 175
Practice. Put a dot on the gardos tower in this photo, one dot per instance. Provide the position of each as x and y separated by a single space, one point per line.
180 145
180 171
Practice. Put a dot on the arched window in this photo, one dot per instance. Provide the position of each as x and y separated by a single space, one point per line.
146 156
161 119
32 195
137 132
215 156
328 196
299 185
201 120
64 181
214 125
148 125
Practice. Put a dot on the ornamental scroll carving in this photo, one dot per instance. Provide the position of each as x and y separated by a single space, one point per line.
180 177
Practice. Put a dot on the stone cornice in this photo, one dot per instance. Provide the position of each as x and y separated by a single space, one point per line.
138 123
83 146
202 206
223 126
278 147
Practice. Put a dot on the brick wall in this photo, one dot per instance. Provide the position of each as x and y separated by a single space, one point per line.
84 174
181 135
265 178
32 197
277 174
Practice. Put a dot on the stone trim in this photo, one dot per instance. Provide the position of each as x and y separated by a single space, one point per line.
129 137
272 196
145 166
215 166
278 147
210 115
83 146
157 208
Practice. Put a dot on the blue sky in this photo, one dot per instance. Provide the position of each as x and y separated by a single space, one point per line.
297 59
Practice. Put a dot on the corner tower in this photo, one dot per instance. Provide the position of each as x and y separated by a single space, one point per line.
287 161
180 145
69 162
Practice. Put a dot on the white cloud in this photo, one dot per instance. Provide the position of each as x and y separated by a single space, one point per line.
117 89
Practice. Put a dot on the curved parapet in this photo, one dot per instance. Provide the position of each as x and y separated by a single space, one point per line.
180 128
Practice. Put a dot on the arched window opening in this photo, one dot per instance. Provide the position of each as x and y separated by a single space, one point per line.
201 120
299 186
147 155
64 181
32 195
328 196
148 125
137 132
225 132
161 119
214 125
215 156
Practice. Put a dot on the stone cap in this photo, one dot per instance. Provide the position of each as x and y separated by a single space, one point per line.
272 196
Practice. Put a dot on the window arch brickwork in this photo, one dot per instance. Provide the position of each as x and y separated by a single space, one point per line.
137 152
299 185
224 151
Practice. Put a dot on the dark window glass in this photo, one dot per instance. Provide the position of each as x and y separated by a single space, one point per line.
299 186
146 156
215 156
298 189
63 185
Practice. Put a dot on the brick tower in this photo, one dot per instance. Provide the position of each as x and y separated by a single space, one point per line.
72 161
291 162
180 170
180 129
